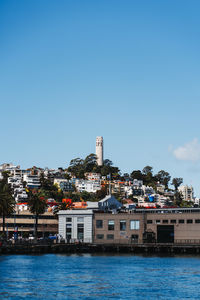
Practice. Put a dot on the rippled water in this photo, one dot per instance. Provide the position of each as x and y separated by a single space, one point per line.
99 277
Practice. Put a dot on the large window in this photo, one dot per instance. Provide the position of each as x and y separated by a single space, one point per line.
189 221
110 236
68 231
173 221
111 225
99 223
80 231
100 236
181 221
149 222
122 225
135 224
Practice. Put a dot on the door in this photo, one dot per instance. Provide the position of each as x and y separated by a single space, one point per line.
165 233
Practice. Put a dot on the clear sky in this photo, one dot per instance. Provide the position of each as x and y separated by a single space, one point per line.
127 70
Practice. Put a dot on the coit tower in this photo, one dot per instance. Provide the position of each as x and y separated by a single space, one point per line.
99 150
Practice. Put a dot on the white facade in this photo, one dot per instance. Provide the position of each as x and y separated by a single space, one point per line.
88 186
99 150
32 181
76 225
187 192
93 176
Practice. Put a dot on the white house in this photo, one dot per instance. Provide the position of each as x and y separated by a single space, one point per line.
76 225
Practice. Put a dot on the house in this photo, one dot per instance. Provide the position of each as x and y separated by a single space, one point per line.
76 225
109 203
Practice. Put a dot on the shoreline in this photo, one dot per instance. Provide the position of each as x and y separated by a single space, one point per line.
100 248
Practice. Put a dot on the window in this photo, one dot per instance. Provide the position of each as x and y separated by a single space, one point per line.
165 221
173 221
189 221
181 221
68 219
68 231
80 231
80 220
157 221
197 221
134 224
111 225
110 236
149 222
99 224
100 236
122 225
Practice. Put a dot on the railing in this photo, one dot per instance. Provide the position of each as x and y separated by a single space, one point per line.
187 241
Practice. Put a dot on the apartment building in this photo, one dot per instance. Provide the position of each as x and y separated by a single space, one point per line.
187 192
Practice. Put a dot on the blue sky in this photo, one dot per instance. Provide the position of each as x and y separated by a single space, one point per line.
126 70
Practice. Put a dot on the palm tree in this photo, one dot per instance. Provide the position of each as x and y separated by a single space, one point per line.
37 205
7 202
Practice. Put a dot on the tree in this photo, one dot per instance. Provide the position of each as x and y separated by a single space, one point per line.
90 162
102 192
137 174
76 167
148 178
37 205
107 162
178 198
163 177
7 202
147 170
176 182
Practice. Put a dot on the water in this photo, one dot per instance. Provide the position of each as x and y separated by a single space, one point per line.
99 277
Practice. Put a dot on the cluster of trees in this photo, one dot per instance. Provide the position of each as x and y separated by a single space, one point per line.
162 177
78 167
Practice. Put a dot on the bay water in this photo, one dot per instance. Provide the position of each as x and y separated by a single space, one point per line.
99 277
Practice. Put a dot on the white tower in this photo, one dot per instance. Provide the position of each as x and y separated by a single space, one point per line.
99 150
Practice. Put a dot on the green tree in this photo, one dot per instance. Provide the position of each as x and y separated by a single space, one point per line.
76 167
137 174
148 178
7 202
90 162
176 182
163 177
37 206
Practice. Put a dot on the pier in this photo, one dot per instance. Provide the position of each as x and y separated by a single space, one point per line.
100 248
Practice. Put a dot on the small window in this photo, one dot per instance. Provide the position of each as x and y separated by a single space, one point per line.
100 236
173 221
68 219
149 222
122 225
165 221
197 221
181 221
111 225
110 236
134 224
80 219
99 223
157 221
189 221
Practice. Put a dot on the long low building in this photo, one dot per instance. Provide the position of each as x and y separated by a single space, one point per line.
147 226
23 223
